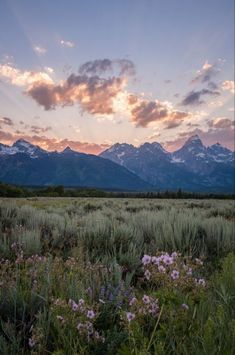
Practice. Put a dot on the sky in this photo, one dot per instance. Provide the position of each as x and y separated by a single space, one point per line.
89 74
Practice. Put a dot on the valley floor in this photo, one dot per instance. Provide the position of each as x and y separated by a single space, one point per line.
117 276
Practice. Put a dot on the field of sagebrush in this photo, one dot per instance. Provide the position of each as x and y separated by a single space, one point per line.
117 276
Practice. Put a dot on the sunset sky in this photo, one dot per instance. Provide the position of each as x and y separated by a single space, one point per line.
92 73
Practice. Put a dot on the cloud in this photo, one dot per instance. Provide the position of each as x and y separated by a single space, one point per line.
52 144
170 124
213 86
193 98
228 85
221 122
94 94
102 96
23 78
101 66
37 130
143 112
39 50
6 121
49 70
68 44
206 73
154 136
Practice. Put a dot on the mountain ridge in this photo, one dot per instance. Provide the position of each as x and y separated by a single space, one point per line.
193 167
25 164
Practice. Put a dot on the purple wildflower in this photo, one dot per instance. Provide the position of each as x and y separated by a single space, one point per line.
167 260
90 314
146 299
130 316
146 259
155 260
161 269
132 301
174 255
175 274
74 306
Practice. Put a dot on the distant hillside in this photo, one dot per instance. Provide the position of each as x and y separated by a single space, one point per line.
25 164
123 167
193 167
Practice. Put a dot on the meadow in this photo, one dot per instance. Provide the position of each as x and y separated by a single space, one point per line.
117 276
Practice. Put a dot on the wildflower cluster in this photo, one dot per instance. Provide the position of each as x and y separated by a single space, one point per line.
172 270
78 315
141 308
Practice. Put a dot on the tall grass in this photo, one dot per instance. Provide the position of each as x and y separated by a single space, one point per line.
56 250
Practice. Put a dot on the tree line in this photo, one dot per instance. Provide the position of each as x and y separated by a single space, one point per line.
7 190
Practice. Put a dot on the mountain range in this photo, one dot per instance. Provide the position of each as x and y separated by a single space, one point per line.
193 167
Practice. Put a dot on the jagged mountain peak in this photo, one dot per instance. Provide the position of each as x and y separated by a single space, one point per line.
67 150
193 140
21 141
22 146
153 146
122 145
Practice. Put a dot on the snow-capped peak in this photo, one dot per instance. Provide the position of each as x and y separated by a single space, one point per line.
21 146
22 143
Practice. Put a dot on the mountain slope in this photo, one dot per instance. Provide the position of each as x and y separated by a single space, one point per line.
193 167
68 168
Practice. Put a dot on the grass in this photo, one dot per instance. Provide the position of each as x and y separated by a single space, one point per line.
57 251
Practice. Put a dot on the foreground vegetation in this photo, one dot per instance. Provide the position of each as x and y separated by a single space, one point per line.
117 276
